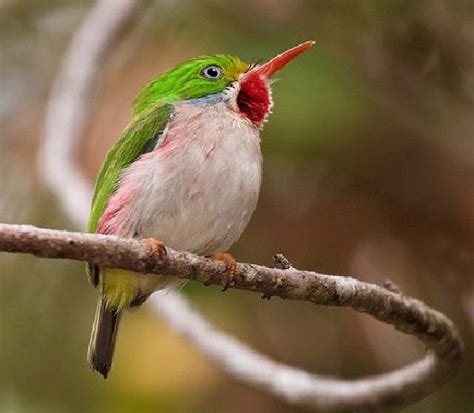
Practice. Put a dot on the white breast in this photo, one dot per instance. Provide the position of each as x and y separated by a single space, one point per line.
198 191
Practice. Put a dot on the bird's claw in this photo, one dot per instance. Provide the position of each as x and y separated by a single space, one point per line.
157 249
231 266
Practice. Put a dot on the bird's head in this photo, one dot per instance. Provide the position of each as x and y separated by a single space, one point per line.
208 79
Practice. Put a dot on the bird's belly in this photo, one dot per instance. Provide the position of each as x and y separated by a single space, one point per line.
201 187
199 218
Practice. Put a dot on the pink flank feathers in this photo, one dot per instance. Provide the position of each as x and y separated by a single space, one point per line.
118 214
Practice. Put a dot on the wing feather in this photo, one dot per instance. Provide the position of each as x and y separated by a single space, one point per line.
140 136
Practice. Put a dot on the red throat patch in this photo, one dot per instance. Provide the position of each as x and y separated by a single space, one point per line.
253 99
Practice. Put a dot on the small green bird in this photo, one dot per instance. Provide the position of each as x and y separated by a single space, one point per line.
186 170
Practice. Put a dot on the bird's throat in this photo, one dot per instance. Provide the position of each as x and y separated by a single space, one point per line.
254 99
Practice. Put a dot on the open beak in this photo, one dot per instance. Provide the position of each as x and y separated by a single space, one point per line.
279 62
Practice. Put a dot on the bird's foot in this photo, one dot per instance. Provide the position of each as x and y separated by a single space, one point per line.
157 249
231 266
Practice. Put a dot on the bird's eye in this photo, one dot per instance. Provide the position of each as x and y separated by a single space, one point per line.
212 72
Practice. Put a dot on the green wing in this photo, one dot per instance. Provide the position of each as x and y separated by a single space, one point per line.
140 136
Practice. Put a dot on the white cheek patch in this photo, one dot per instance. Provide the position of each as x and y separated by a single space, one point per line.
230 94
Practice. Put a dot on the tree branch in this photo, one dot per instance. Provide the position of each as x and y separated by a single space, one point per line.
69 105
404 313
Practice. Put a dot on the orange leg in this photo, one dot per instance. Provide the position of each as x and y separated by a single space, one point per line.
158 249
229 261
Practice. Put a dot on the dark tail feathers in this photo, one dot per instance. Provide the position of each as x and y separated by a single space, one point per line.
102 342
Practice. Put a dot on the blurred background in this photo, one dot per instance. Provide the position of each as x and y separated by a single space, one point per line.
369 171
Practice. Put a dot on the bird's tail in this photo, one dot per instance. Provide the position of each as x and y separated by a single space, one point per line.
102 342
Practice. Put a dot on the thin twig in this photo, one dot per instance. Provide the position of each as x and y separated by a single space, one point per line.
405 314
282 261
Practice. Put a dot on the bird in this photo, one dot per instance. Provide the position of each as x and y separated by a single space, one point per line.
185 173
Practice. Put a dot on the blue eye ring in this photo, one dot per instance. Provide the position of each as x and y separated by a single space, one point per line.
212 72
